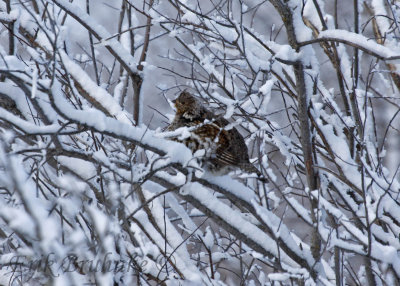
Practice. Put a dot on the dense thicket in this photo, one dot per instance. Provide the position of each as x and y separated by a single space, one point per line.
93 191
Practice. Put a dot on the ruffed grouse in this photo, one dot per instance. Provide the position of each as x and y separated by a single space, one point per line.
225 147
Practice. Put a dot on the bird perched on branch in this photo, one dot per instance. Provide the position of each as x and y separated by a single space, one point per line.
224 145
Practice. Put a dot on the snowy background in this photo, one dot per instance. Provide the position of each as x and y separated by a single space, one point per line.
93 193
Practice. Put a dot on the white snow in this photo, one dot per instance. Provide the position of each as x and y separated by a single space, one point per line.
95 92
361 41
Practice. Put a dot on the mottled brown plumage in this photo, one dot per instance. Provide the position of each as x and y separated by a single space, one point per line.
225 147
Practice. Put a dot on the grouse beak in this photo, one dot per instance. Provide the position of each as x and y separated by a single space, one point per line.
174 100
